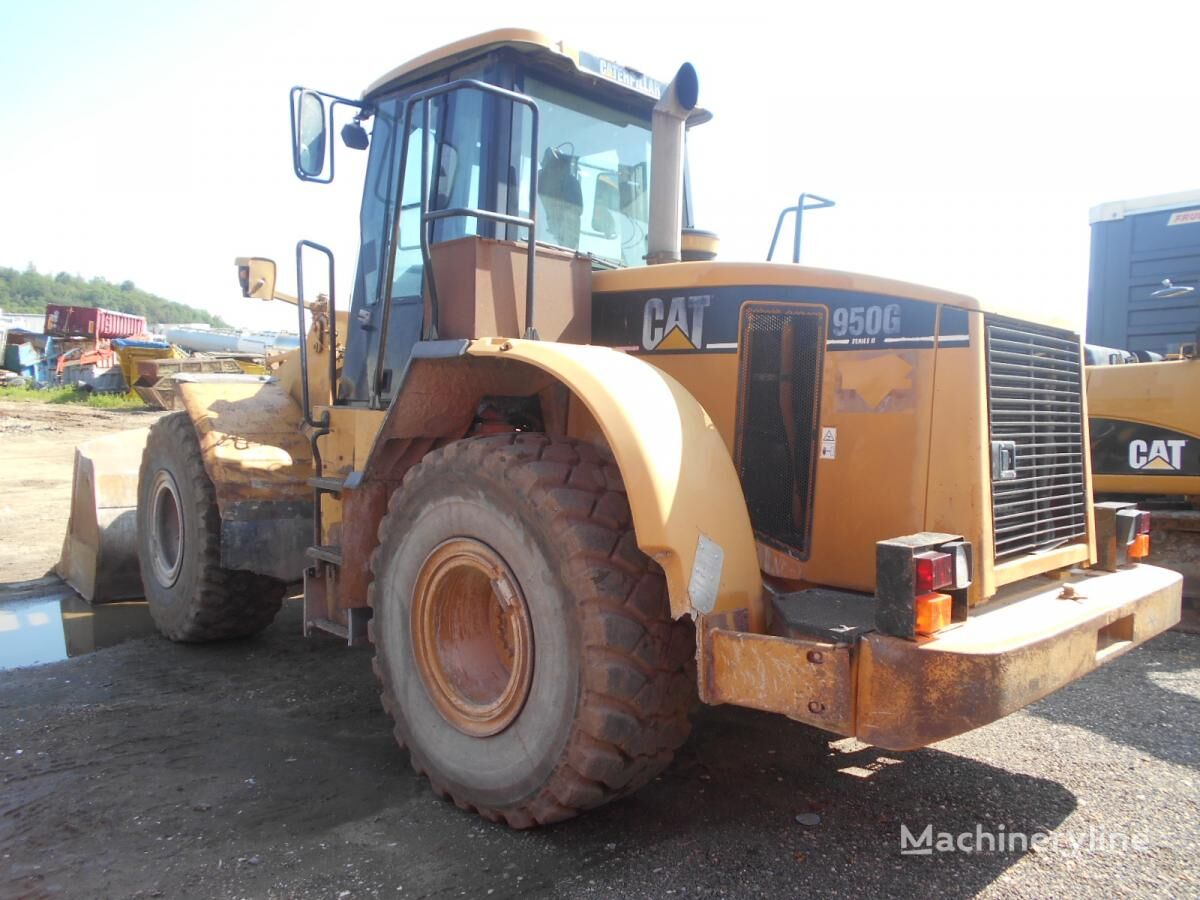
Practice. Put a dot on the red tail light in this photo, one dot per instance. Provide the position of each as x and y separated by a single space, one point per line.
933 571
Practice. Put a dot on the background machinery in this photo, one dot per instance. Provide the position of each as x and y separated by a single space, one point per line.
1144 374
566 472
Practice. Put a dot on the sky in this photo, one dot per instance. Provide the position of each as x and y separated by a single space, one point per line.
963 142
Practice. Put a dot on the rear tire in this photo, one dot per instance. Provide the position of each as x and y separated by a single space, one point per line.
572 690
191 598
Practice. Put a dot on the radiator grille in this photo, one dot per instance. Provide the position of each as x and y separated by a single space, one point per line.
1035 394
779 381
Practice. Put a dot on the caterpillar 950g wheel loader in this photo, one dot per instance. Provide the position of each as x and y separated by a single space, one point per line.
566 472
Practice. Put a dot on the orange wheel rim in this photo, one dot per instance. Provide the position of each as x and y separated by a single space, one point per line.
472 641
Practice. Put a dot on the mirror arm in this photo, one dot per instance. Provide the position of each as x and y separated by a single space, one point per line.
295 301
278 295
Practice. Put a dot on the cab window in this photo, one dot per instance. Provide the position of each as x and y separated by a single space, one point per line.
458 160
593 193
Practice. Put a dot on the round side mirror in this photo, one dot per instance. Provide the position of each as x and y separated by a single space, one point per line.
354 136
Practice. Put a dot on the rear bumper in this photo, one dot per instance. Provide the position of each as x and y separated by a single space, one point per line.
1026 643
898 694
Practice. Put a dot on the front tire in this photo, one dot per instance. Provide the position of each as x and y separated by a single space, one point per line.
191 597
524 643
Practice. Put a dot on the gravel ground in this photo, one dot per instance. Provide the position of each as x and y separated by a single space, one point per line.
265 768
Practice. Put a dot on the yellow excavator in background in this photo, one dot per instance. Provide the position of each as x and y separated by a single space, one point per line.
1144 398
566 472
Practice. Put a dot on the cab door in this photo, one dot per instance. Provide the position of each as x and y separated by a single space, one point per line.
460 137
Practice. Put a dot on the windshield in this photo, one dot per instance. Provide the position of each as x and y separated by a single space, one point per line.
593 175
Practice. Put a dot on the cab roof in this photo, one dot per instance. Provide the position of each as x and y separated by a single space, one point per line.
603 73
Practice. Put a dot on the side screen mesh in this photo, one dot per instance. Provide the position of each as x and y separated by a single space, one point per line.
779 384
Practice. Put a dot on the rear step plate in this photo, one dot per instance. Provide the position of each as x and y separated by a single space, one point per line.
821 614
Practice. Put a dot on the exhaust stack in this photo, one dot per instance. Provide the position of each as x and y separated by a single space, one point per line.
666 166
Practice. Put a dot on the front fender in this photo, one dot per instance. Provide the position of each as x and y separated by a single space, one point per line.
684 493
259 461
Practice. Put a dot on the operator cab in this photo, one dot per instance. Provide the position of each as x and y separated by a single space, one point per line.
585 163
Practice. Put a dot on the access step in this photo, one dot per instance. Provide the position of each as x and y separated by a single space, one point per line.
329 485
839 617
329 553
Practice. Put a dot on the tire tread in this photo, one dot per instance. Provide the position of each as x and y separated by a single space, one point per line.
227 603
638 687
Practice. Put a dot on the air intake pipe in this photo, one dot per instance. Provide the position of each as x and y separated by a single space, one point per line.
666 165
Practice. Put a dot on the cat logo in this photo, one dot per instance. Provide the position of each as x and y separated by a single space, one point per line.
1163 456
675 324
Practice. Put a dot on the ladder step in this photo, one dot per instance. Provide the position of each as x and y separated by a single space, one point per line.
329 553
330 485
332 627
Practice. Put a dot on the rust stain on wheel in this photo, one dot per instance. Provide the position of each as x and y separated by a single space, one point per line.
472 641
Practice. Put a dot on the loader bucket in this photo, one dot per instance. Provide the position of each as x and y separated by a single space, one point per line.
99 556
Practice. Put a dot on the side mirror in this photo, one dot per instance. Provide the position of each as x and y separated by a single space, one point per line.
314 114
309 135
257 276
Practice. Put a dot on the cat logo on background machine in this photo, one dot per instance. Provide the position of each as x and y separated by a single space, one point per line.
1121 448
1158 455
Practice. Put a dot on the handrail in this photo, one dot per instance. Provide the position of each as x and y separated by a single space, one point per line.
317 430
798 209
300 308
430 217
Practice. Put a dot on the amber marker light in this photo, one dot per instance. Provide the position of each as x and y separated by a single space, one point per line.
933 613
1139 548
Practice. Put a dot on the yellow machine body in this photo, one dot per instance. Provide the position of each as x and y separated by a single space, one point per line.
910 456
1146 427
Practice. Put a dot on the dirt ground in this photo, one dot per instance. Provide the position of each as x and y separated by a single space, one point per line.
266 768
37 445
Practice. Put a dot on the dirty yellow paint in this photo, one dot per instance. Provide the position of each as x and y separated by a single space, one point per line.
874 378
250 440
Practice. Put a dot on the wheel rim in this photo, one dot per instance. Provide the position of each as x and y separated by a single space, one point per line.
166 529
472 641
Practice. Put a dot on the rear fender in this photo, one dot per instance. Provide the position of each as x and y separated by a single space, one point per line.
688 509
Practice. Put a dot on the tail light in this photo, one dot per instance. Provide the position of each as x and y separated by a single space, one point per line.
1139 547
933 613
1135 531
1122 534
921 583
933 570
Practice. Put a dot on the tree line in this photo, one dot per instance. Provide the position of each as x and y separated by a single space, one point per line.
30 292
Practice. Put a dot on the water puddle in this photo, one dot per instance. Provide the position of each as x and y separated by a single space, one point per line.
47 625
